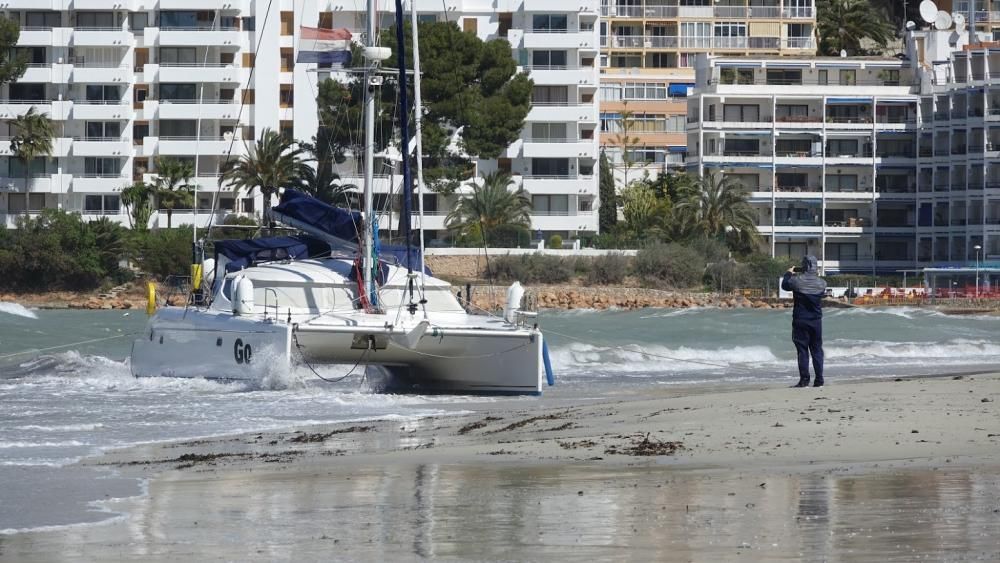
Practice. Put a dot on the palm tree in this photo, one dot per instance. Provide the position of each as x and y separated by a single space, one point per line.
845 24
273 162
173 188
137 199
322 182
32 139
717 207
491 207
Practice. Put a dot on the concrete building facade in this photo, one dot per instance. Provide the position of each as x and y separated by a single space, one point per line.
872 165
130 81
648 53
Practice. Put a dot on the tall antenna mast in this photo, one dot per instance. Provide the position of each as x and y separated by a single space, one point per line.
368 243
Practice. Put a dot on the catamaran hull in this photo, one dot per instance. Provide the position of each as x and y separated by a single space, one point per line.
436 360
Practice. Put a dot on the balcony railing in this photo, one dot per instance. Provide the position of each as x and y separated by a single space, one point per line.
203 27
196 101
805 81
798 43
730 12
797 12
797 189
764 12
195 65
553 30
763 42
797 222
796 153
555 140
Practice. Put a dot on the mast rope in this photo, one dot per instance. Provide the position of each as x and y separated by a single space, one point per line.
82 342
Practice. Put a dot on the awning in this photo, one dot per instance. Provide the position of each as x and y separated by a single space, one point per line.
848 100
245 253
748 64
318 218
838 65
677 149
680 89
897 100
785 64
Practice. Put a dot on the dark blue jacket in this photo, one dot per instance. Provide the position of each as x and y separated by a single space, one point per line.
807 290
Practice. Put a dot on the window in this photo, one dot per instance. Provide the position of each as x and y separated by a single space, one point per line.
506 21
140 130
822 78
287 23
39 167
611 122
286 96
101 166
737 147
842 147
736 31
246 205
27 92
549 22
178 92
649 123
550 95
696 35
138 21
103 93
626 60
740 112
19 203
792 250
548 131
33 55
750 182
842 182
848 77
611 92
250 23
550 167
178 128
177 56
470 25
736 76
841 251
101 130
661 60
97 20
178 19
287 59
286 127
789 181
646 91
550 204
426 18
101 204
42 20
551 59
789 112
647 155
890 77
782 76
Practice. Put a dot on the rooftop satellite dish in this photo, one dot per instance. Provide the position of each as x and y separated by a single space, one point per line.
959 20
928 11
843 53
911 25
943 20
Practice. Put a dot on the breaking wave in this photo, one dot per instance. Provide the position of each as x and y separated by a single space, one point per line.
974 351
17 309
646 359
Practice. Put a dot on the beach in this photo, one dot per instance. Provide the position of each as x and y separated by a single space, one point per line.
886 470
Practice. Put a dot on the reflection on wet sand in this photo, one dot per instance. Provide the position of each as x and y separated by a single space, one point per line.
516 512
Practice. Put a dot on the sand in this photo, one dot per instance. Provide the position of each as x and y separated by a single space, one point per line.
866 471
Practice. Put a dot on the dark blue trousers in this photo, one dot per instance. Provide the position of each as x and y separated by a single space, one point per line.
808 339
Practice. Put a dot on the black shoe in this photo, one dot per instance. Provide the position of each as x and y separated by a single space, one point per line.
818 383
801 383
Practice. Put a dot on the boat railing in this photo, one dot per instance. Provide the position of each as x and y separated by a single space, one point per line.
267 291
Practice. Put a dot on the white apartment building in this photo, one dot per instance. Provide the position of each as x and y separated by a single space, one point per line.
555 160
133 80
872 165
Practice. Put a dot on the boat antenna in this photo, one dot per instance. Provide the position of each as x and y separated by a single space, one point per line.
417 123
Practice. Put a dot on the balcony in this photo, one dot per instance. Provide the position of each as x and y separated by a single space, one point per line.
102 146
560 39
557 183
764 12
205 108
102 109
798 189
797 12
206 145
555 75
99 73
563 111
99 183
101 37
198 36
194 72
798 43
559 148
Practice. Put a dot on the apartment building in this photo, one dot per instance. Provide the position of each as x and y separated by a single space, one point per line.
555 159
648 53
139 79
872 165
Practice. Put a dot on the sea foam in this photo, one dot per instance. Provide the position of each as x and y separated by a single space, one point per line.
17 309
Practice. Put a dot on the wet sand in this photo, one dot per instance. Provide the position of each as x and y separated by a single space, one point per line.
870 471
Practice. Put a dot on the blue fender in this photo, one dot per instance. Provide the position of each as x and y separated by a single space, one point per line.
549 377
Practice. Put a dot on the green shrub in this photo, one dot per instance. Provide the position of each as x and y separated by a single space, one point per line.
531 268
58 250
608 269
727 276
669 265
165 252
555 242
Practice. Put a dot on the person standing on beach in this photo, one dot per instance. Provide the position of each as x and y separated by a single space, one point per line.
807 317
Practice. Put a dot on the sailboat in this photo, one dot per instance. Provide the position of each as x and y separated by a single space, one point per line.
334 295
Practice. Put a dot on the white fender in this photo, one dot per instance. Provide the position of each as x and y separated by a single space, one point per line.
208 274
514 294
243 296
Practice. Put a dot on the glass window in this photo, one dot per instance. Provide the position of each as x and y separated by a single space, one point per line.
550 166
548 59
550 95
178 128
101 166
178 92
611 92
27 92
103 93
177 55
549 22
42 20
848 77
782 76
93 203
95 19
137 21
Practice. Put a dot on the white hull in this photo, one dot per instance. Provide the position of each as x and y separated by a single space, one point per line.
443 351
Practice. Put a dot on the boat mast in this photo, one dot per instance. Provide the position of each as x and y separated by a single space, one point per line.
367 245
418 119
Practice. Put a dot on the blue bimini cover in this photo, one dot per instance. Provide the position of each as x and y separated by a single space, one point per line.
245 253
341 223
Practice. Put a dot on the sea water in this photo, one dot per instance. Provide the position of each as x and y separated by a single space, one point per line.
63 403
